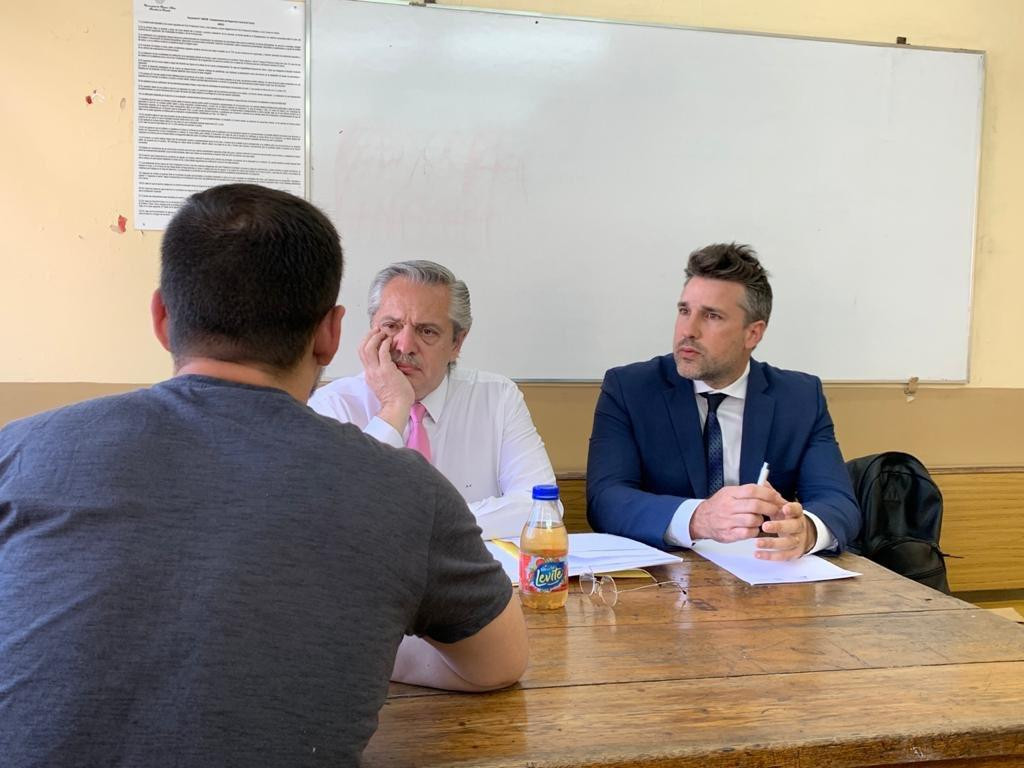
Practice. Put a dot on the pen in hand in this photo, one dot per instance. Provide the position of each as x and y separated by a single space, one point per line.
762 479
762 476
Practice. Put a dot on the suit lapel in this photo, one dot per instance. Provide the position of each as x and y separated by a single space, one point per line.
757 424
682 410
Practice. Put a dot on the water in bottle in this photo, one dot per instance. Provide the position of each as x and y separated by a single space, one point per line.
544 553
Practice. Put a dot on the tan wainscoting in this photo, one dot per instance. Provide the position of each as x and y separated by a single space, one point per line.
572 488
943 426
983 523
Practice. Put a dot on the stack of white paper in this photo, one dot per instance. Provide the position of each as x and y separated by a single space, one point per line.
738 559
598 552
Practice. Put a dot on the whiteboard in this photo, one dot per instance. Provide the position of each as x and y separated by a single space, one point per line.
565 168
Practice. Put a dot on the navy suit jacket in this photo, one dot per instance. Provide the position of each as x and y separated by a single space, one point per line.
647 449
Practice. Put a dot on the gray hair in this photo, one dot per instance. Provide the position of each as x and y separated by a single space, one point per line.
427 273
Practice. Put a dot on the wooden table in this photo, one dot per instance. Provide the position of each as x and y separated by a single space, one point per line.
876 670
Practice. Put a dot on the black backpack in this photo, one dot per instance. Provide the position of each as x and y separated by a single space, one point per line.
901 516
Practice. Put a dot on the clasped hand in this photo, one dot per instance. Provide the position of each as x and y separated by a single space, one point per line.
739 512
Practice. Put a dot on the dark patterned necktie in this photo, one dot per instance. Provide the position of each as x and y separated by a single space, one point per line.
713 442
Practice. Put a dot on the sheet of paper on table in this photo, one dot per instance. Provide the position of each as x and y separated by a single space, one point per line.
599 552
738 559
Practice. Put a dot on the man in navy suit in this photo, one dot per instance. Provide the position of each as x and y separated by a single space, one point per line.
679 441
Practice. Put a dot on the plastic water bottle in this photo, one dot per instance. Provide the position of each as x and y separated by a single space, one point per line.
544 553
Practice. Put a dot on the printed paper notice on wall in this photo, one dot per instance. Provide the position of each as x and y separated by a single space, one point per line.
219 98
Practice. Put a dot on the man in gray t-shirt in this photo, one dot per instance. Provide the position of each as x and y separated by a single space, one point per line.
185 581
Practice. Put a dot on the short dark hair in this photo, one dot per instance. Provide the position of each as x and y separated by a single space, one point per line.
246 275
737 264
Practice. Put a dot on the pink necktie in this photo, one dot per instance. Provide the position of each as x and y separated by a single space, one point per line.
418 439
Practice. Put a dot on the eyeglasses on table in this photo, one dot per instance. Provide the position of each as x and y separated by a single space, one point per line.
604 588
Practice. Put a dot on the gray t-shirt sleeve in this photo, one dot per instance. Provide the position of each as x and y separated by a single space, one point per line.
466 588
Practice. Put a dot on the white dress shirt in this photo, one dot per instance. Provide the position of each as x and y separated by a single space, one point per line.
730 419
481 438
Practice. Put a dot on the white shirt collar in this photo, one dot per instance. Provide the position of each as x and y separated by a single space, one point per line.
434 402
737 389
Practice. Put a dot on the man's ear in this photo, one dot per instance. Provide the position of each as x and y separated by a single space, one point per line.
754 333
458 345
327 336
158 311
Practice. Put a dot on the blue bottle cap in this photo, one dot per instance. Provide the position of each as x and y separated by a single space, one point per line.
545 492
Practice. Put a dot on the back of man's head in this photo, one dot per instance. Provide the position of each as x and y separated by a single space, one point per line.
735 264
246 274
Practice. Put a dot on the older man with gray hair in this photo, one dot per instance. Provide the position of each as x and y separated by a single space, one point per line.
473 426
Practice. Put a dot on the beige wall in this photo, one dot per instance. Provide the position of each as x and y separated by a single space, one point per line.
74 294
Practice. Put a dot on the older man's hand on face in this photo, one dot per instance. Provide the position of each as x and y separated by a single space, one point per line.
392 388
